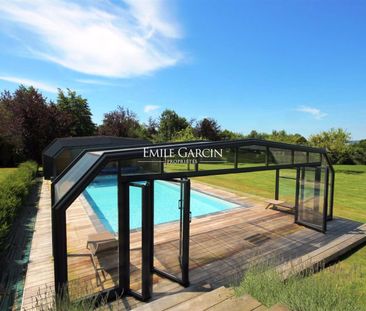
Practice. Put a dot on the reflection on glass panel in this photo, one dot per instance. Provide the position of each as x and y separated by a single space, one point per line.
223 159
300 157
74 174
168 199
135 238
92 242
329 193
279 156
179 164
324 161
141 166
287 186
314 157
65 157
311 203
251 156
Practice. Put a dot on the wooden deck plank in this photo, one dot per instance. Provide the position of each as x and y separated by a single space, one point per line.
222 246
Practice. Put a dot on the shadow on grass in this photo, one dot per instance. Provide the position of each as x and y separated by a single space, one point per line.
350 172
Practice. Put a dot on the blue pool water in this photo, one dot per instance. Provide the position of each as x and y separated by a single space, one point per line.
102 196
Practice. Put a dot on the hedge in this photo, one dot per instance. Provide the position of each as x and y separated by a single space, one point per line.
13 193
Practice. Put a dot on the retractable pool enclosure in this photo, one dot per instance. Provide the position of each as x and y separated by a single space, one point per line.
62 151
307 169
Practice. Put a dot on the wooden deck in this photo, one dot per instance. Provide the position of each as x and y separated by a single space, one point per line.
222 246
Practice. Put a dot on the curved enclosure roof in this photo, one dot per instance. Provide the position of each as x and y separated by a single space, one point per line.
62 151
163 161
92 141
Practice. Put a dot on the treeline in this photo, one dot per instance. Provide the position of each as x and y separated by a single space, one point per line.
29 122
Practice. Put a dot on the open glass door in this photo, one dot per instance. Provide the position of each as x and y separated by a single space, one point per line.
185 219
179 274
312 197
135 241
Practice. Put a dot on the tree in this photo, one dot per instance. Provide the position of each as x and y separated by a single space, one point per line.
151 128
78 109
186 134
169 124
121 122
284 137
208 128
336 142
26 119
229 135
358 152
256 135
28 123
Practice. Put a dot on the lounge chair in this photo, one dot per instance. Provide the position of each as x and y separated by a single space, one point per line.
98 244
278 203
273 203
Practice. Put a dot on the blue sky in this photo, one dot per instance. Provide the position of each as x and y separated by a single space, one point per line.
293 65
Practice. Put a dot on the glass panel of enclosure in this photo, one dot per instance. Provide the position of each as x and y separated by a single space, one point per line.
300 157
74 174
167 216
279 156
330 193
216 159
135 236
141 166
314 157
311 197
65 157
287 186
179 164
249 156
92 238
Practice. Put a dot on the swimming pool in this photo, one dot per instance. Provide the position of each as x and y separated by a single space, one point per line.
102 196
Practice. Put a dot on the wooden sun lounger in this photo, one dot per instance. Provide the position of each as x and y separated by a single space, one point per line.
275 203
98 244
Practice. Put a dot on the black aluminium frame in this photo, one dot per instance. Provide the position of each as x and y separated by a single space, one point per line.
51 153
60 205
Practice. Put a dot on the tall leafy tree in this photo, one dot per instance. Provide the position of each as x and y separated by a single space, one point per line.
358 152
257 135
170 123
151 128
229 135
78 109
120 122
283 136
336 141
186 134
28 123
208 128
26 119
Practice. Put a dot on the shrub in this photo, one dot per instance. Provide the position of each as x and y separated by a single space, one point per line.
321 291
13 192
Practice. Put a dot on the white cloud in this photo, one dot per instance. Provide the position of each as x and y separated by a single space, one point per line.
94 82
27 82
315 112
150 108
134 37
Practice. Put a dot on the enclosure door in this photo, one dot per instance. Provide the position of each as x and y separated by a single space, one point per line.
185 218
312 197
183 206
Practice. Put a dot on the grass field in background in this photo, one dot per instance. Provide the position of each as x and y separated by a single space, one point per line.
4 172
349 202
350 188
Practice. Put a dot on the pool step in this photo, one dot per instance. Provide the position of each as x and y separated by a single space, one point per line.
219 299
170 301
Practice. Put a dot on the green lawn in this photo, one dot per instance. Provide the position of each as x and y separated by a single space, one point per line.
349 202
5 172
